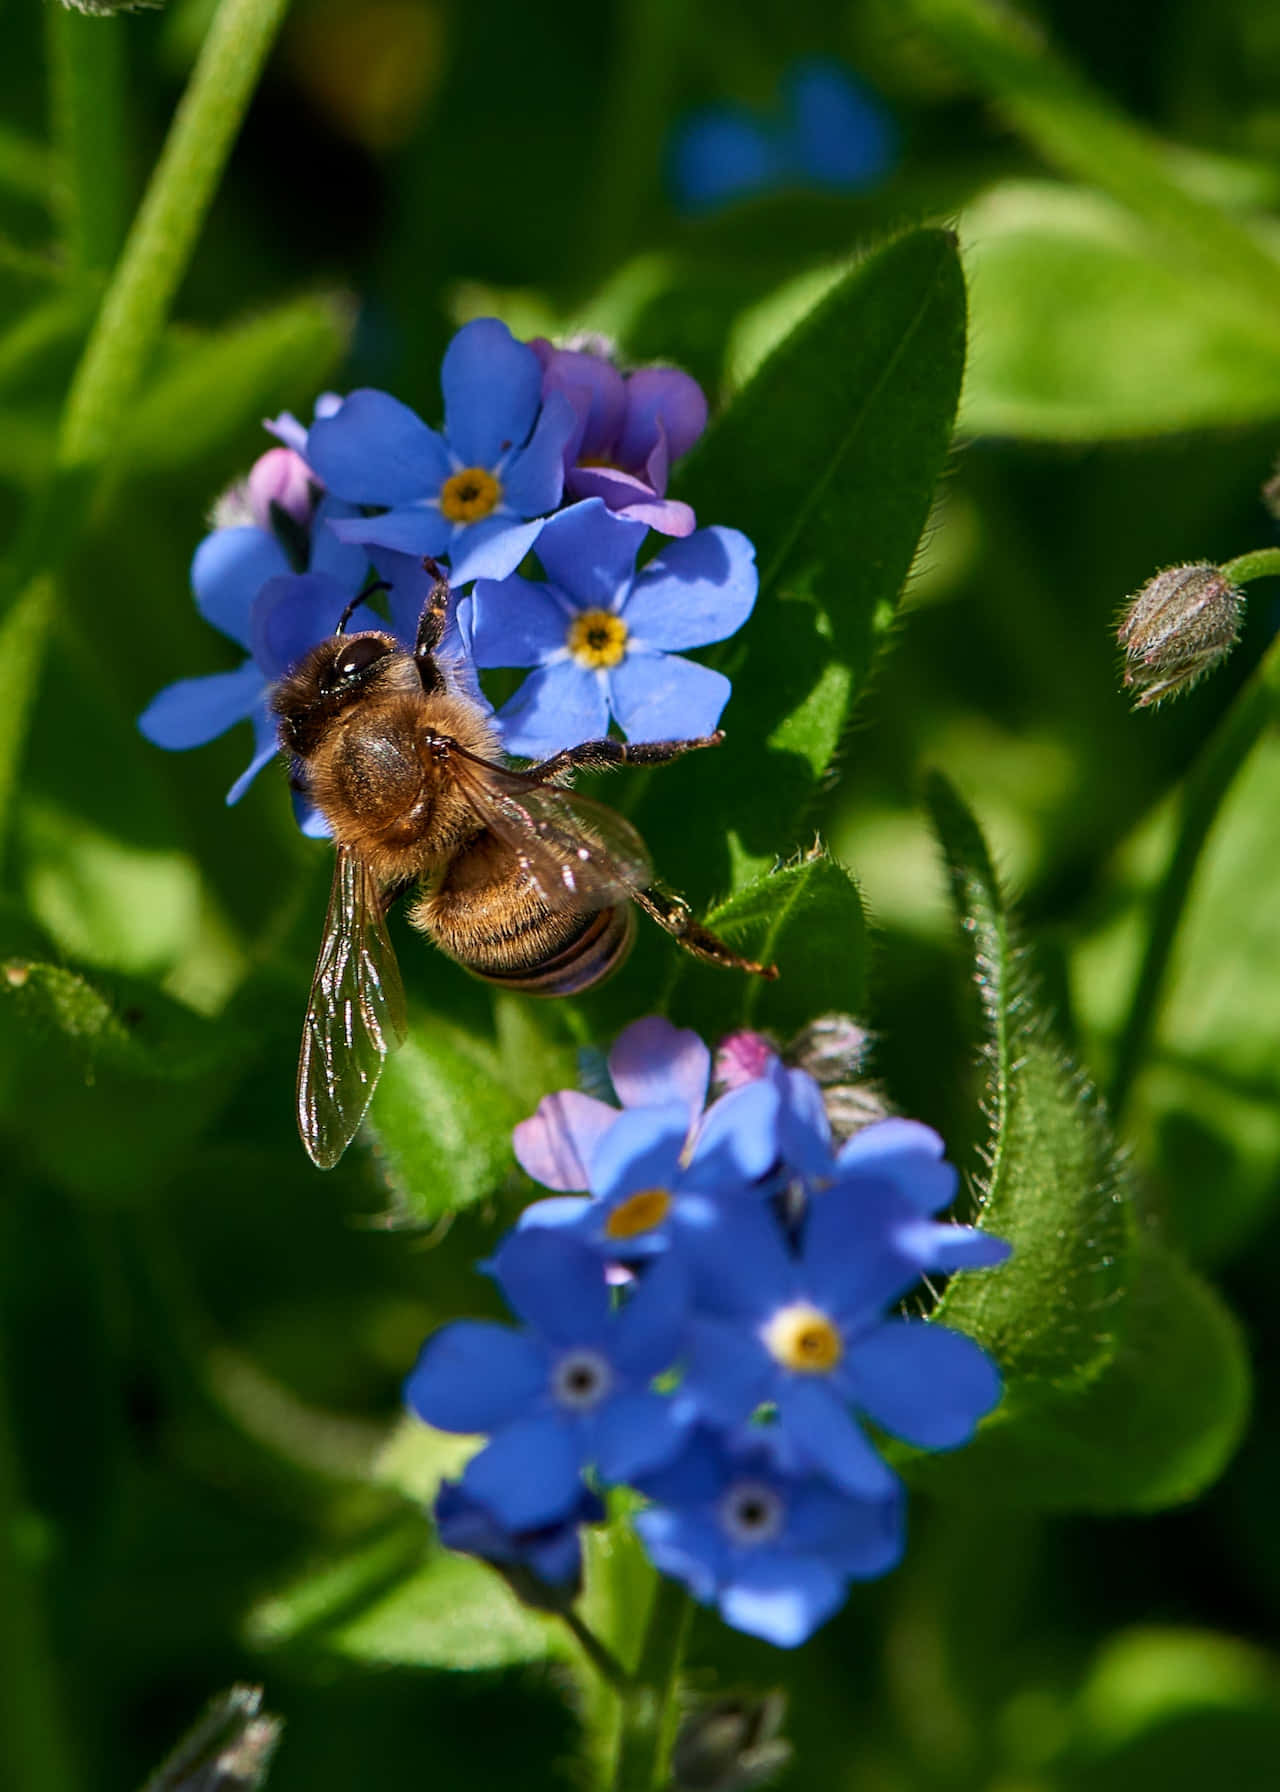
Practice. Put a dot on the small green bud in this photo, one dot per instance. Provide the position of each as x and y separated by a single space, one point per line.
1178 627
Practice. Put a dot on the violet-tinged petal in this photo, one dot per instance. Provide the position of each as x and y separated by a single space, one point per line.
631 499
696 591
653 1063
529 1475
473 1375
375 450
923 1382
554 1144
590 553
553 1283
829 1439
533 479
659 696
287 429
597 392
492 385
515 622
908 1154
640 1150
491 549
281 477
635 1432
196 710
555 707
266 745
293 614
781 1598
666 397
229 569
415 530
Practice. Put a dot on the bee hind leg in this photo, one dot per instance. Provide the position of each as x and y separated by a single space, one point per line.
601 755
674 916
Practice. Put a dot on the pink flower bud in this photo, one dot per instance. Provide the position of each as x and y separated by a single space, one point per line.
283 478
742 1058
1181 624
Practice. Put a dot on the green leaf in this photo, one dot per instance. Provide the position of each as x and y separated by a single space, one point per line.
806 918
134 1029
828 459
442 1119
206 387
1053 1189
1083 331
393 1600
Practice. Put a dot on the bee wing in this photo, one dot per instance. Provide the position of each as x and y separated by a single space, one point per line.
568 845
355 1016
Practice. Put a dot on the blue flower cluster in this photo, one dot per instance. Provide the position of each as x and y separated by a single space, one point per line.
543 449
708 1310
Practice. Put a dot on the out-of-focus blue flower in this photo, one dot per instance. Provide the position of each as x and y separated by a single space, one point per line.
571 1391
470 493
774 1551
627 432
605 640
552 1552
275 580
829 132
799 1322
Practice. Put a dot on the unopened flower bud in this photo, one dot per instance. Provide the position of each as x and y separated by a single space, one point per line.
833 1049
1178 627
228 1749
730 1744
102 9
281 479
742 1057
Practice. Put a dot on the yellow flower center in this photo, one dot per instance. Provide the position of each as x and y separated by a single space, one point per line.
597 638
467 496
640 1212
802 1337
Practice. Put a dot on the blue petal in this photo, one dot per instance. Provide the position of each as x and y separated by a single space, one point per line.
343 561
840 135
491 549
492 389
266 744
590 553
749 1271
941 1247
728 1373
474 1376
557 1210
738 1139
653 1063
856 1255
533 480
309 819
780 1598
908 1154
830 1440
923 1382
698 590
804 1130
293 614
416 530
649 1332
722 154
529 1475
555 707
375 450
640 1150
656 696
228 570
635 1432
685 1545
196 710
554 1283
859 1537
515 622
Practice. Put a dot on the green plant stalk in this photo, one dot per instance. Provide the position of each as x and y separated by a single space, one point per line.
1210 779
650 1708
33 1731
24 633
163 235
1076 129
86 79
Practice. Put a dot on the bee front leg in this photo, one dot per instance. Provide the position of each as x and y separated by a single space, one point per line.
600 755
674 916
431 626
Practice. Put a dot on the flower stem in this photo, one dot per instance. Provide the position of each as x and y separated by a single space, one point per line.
33 1731
163 235
86 79
601 1657
1210 779
1262 563
650 1706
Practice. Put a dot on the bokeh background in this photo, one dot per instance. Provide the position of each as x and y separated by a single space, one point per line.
204 1338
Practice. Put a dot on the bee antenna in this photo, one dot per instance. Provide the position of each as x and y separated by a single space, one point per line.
369 591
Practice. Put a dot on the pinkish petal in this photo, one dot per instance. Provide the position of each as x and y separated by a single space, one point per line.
555 1142
653 1063
666 396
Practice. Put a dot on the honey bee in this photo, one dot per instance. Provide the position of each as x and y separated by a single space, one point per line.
519 879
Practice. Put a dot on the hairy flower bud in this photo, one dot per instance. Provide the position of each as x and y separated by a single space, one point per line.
1178 627
730 1744
834 1049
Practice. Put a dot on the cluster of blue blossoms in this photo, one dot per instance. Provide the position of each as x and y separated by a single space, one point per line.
709 1312
543 449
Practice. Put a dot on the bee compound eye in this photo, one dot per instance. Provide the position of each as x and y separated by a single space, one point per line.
358 653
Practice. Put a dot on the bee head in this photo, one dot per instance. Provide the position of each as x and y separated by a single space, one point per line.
335 674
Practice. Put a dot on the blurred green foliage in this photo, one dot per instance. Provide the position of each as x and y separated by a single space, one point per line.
202 1338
